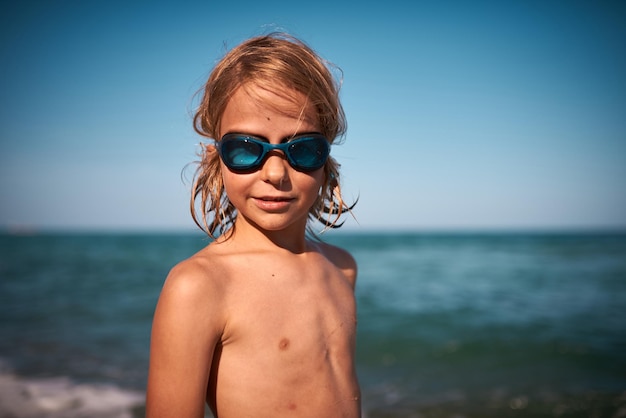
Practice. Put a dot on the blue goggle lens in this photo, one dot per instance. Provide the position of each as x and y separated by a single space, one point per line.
246 153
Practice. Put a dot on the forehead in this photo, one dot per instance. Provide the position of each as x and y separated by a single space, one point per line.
252 102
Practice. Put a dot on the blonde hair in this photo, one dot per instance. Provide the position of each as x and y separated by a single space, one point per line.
275 62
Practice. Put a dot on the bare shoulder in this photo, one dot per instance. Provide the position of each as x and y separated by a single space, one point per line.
341 258
195 284
200 270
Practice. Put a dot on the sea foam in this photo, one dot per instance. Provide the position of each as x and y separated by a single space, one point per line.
59 397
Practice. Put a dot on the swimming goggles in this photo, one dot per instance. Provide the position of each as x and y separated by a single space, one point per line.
241 152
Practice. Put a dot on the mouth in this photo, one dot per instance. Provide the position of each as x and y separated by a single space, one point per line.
274 203
275 199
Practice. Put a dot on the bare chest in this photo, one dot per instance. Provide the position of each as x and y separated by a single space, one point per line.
290 336
292 316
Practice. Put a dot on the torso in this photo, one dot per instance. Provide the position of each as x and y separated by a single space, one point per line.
289 336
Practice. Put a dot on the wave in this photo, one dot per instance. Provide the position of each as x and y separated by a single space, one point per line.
60 397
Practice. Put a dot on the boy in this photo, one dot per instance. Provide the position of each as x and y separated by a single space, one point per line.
262 322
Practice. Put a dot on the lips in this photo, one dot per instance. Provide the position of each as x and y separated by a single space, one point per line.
275 199
273 203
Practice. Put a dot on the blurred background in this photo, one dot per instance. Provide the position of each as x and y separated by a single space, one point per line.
486 145
466 115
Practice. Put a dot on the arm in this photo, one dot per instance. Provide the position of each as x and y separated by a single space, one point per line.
185 330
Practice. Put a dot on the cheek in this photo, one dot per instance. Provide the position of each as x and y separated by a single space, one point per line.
311 183
233 183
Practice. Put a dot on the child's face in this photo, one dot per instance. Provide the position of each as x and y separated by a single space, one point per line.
276 196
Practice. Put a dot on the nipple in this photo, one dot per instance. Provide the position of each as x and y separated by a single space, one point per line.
283 344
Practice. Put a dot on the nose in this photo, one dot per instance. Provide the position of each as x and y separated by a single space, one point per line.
275 170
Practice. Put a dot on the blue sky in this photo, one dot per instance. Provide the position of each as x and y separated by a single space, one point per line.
461 115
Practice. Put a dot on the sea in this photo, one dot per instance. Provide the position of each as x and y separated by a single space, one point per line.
491 324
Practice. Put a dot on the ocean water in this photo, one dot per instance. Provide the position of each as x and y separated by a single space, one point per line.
449 325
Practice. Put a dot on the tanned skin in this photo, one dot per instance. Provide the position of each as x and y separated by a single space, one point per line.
261 322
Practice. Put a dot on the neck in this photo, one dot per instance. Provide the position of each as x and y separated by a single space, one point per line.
250 236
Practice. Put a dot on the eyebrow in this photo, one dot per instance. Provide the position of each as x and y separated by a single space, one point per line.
263 138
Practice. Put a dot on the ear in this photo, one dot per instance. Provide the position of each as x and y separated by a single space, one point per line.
209 148
209 152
